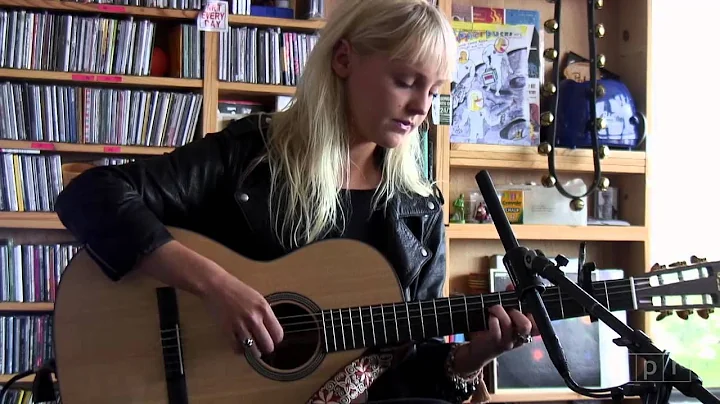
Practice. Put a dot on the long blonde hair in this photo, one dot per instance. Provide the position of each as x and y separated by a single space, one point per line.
309 143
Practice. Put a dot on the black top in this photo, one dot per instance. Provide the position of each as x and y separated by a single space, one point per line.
361 223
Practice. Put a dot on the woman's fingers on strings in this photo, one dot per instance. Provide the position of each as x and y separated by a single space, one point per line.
522 324
505 340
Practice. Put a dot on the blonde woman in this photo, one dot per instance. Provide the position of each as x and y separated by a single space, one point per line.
341 161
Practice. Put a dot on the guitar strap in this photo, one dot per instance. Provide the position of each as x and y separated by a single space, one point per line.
350 384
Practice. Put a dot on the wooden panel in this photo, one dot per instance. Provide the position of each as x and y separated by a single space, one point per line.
84 148
549 232
104 79
30 220
12 307
101 8
210 83
255 89
36 236
527 157
286 23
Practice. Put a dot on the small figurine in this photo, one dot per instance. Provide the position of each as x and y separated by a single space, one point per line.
481 214
458 215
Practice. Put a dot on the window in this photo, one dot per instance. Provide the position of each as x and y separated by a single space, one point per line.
684 158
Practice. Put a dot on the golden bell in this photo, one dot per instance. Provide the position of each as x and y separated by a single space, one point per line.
548 181
551 26
546 118
601 61
544 148
599 30
577 204
550 54
604 183
604 151
599 4
548 89
600 123
600 91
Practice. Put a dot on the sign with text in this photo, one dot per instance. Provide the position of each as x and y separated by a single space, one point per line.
213 17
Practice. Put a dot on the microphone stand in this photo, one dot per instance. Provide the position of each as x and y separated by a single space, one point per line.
525 267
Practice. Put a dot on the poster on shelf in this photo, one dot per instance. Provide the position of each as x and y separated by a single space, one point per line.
213 17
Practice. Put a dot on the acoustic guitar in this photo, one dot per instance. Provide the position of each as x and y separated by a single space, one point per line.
139 341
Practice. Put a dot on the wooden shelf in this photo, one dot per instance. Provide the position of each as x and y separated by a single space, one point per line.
26 307
30 220
102 8
255 89
456 231
84 78
527 158
536 395
6 378
84 148
287 23
160 13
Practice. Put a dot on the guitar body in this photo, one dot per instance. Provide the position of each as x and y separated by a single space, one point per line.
108 334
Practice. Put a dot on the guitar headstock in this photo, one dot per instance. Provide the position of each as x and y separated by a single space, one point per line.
681 288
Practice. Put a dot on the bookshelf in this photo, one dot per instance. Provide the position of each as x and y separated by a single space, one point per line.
626 46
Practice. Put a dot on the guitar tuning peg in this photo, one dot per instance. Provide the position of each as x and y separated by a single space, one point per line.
678 264
695 259
657 267
663 314
684 314
705 313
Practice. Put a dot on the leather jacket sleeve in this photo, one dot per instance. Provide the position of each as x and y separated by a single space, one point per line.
119 212
422 374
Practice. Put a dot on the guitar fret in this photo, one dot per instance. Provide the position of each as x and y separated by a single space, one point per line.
520 305
407 312
352 328
562 309
632 292
607 298
452 322
397 331
332 323
382 312
362 326
422 323
437 326
372 324
327 348
482 303
467 318
342 328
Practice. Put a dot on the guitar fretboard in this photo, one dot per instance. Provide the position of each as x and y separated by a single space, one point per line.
366 326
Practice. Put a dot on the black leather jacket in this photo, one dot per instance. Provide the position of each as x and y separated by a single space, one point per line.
209 186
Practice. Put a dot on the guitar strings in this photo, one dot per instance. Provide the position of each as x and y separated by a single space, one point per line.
469 305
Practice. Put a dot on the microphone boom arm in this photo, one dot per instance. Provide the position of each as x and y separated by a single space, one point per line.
525 268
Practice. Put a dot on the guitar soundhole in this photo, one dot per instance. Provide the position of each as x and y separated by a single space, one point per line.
301 339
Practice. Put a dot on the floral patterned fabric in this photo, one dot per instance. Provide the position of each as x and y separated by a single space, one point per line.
353 381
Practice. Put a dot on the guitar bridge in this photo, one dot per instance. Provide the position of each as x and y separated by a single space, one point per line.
171 342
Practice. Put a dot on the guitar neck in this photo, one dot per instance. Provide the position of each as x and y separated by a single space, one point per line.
367 326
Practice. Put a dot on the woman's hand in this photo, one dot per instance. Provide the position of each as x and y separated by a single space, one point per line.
241 310
507 330
245 315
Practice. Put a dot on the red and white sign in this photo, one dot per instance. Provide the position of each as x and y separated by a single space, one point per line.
214 17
